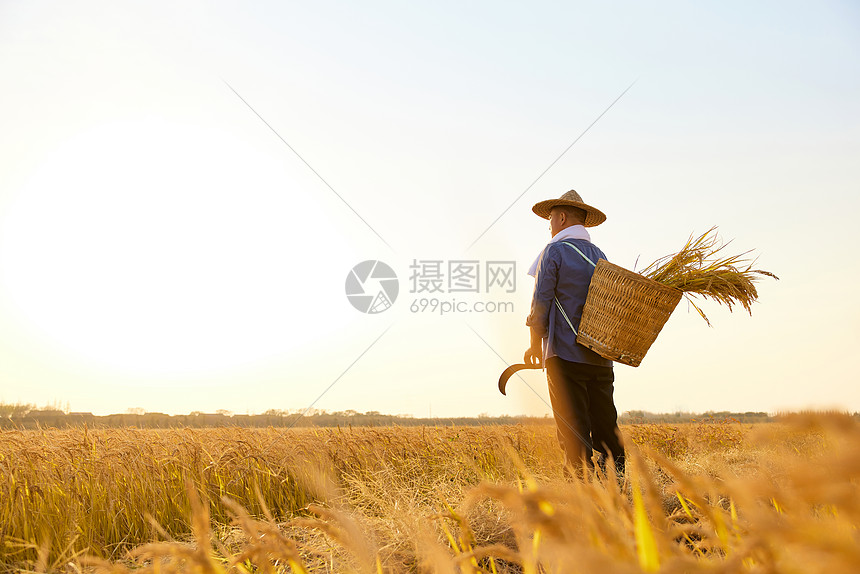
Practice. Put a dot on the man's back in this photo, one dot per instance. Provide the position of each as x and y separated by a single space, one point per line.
564 274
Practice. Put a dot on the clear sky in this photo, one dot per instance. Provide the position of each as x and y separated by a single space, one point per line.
162 248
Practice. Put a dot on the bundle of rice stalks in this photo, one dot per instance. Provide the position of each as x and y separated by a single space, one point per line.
701 269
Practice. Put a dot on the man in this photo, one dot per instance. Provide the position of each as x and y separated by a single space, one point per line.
580 381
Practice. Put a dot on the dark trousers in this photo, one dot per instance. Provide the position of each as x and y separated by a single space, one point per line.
585 415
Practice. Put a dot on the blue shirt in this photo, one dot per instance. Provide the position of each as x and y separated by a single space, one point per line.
564 274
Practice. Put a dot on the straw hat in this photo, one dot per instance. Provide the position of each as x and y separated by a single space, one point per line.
593 216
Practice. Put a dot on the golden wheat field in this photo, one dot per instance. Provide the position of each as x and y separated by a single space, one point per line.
701 497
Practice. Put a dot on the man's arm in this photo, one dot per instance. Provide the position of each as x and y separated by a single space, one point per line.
544 293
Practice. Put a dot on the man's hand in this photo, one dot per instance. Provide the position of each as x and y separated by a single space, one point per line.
534 355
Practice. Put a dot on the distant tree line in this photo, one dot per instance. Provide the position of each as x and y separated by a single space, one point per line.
638 417
30 417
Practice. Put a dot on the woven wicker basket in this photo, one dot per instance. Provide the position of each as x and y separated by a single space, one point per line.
623 313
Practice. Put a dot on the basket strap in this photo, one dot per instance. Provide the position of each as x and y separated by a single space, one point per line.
581 253
563 314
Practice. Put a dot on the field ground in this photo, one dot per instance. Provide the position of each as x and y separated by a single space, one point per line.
709 497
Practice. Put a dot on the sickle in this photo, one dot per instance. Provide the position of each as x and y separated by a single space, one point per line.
503 380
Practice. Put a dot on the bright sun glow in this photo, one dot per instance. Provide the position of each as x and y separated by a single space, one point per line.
157 248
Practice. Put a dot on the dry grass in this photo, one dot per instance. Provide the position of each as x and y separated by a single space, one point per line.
710 496
700 269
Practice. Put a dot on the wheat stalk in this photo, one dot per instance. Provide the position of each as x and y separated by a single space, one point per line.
701 269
